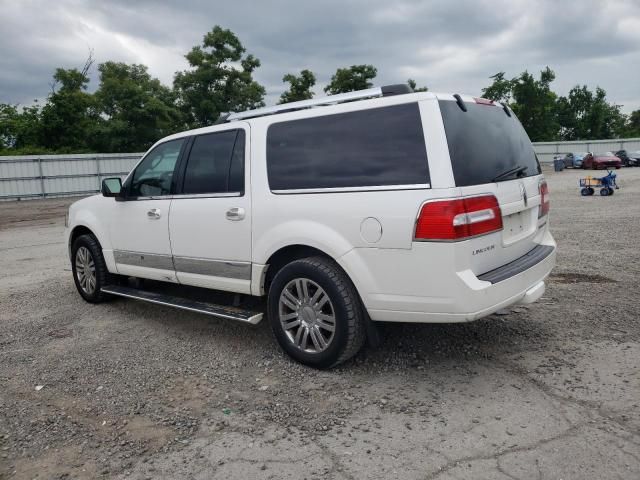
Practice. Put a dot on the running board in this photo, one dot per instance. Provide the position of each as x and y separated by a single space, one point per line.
220 311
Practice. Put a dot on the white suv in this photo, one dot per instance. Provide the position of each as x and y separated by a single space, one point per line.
378 205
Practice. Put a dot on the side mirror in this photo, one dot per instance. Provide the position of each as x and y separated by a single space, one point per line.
111 187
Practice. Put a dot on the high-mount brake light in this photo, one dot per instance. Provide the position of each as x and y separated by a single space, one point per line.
545 202
483 101
458 219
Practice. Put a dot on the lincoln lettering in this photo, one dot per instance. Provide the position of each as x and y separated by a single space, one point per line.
483 250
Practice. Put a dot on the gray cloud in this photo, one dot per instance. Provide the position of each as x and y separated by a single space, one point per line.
448 46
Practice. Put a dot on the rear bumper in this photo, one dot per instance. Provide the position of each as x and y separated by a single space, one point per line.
424 289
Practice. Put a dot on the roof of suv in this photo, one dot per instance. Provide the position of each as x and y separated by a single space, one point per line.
368 98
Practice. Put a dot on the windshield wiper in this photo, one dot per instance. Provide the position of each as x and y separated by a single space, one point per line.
517 171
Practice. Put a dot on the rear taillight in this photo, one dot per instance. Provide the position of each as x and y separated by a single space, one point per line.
544 199
458 219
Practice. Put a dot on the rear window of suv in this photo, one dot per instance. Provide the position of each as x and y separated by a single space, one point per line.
366 148
485 142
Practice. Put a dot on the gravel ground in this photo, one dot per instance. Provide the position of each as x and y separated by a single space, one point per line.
132 390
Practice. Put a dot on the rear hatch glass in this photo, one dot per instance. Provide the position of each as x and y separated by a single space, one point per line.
492 154
485 142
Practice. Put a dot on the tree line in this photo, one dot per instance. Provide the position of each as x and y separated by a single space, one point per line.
130 110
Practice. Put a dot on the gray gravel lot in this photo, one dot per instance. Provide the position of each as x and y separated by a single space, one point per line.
132 390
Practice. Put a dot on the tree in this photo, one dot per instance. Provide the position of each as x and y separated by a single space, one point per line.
299 87
587 115
412 85
20 131
355 77
633 124
220 79
532 100
535 105
137 109
500 89
70 116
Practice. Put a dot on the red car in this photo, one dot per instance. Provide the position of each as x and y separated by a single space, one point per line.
598 161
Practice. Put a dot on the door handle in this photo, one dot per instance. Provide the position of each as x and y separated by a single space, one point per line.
153 214
235 214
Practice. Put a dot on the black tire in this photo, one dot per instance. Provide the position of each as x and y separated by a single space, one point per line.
102 275
604 192
591 191
350 328
611 191
584 192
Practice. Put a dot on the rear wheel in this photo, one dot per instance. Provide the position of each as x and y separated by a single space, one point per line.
90 272
584 192
315 312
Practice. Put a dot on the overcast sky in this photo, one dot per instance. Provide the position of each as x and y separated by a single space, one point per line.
449 46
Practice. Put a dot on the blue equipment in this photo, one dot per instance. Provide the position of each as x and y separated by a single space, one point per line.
607 184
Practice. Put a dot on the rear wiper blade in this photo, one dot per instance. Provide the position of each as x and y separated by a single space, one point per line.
517 171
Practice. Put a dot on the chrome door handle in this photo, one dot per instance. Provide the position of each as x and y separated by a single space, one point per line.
235 214
153 214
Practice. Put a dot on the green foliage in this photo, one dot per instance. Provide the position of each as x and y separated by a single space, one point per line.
137 109
633 124
220 79
581 115
70 116
535 105
532 100
299 87
415 88
20 130
355 77
500 89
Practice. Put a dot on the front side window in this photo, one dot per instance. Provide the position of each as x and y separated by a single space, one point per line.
153 176
367 148
216 163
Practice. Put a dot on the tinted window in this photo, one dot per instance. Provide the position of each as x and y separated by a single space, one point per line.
211 162
154 174
485 142
376 147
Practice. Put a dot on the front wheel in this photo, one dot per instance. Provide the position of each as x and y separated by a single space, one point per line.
90 272
315 312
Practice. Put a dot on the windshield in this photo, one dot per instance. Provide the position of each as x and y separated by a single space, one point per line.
484 143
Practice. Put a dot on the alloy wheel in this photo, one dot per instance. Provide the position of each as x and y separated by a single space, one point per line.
307 315
85 270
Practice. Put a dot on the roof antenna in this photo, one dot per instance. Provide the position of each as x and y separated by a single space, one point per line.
460 103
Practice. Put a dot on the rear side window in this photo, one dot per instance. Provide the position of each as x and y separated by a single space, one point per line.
376 147
216 163
484 142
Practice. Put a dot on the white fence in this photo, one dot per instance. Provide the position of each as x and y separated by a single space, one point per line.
547 150
44 176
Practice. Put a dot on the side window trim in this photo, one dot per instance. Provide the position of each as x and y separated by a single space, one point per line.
233 151
184 160
182 165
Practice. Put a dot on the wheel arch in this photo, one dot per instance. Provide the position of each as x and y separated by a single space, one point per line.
76 232
288 254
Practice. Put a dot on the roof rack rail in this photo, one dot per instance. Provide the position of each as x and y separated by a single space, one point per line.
323 101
